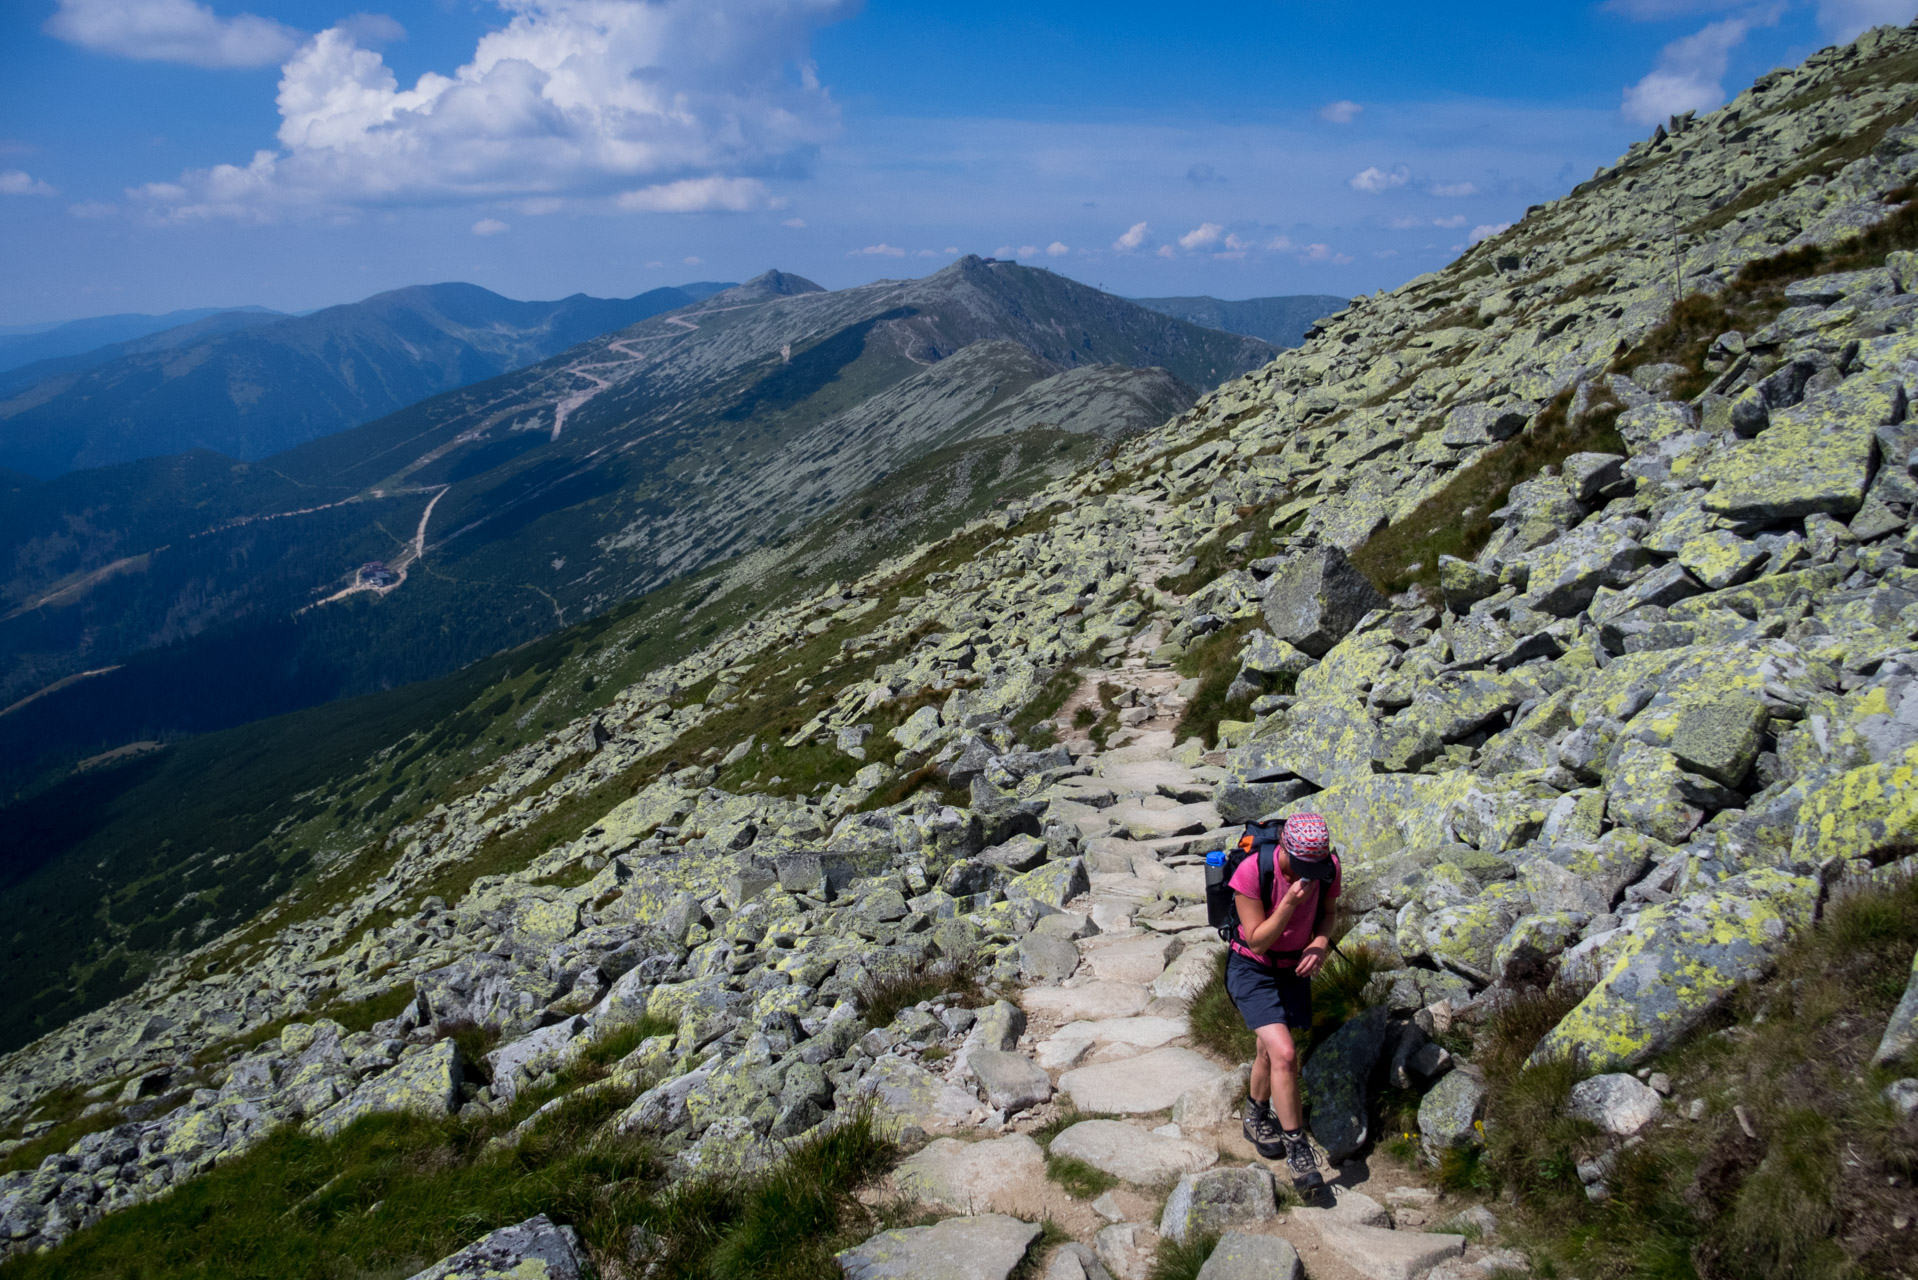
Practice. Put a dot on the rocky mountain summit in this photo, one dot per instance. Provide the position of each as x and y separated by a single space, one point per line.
1576 584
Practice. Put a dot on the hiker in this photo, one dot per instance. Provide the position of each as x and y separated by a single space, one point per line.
1284 888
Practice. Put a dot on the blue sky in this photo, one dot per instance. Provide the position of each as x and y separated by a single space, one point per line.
157 154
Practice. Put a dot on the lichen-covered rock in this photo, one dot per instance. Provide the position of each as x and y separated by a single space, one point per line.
1860 813
426 1081
1814 457
1680 961
1054 884
1449 1113
1217 1199
1315 598
536 1249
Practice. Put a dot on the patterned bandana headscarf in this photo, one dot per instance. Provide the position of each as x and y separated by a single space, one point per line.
1306 838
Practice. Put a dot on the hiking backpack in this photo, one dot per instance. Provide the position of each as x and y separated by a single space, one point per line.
1260 840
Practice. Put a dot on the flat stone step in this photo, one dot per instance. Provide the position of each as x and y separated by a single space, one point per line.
1091 1001
970 1177
1133 1154
1149 1082
986 1247
1143 1031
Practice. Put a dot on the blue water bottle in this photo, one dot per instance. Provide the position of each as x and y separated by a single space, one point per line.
1218 896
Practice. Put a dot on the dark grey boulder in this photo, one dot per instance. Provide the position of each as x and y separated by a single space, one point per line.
1316 598
1338 1077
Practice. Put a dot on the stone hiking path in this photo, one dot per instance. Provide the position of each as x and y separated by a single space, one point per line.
1105 1034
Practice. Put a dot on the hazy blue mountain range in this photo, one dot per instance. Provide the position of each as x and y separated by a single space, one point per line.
25 344
249 384
222 591
1281 321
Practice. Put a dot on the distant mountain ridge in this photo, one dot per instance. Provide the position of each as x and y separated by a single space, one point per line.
248 386
1281 321
27 344
730 428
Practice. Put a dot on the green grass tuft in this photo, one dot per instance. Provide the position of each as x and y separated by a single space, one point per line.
1175 1261
885 998
1077 1177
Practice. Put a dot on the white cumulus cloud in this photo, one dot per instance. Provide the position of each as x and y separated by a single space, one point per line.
172 31
18 182
1203 236
1374 180
1454 190
795 223
1485 231
1455 221
1133 238
489 227
696 195
881 250
1344 111
575 97
1057 250
1690 71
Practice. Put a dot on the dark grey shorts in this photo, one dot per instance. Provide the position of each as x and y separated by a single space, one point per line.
1264 995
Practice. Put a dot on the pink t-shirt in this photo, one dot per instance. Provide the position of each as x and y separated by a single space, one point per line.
1298 930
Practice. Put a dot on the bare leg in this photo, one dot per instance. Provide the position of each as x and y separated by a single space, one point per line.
1275 1074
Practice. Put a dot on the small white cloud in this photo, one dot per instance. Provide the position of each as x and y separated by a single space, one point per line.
540 206
1456 221
173 31
952 251
1690 71
1485 231
1453 190
1056 250
691 261
1203 236
1165 251
1344 111
1237 244
17 182
696 195
1133 238
795 223
489 227
1280 244
1028 251
877 251
1374 180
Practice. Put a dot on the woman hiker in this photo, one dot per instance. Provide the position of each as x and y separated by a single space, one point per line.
1282 939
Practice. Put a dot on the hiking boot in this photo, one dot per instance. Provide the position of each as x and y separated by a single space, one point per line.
1303 1160
1263 1132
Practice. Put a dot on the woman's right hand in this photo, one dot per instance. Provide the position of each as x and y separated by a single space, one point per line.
1295 893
